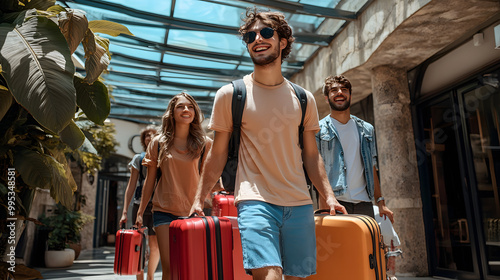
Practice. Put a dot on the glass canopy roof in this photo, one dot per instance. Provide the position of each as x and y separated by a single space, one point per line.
193 46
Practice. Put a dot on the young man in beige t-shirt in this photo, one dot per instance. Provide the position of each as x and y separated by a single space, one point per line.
275 213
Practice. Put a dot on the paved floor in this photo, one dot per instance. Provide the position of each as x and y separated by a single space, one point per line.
97 264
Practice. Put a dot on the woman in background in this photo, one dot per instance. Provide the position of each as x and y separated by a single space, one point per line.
134 190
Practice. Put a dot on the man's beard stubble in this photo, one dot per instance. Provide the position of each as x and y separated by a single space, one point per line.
266 60
334 106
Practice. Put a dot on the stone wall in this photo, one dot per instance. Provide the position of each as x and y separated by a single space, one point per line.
375 52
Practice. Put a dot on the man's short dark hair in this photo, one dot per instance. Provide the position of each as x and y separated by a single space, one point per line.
275 20
339 79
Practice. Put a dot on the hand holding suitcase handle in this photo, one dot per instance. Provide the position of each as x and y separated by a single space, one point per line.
142 230
326 211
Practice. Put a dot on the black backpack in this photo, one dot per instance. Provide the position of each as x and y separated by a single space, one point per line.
138 190
238 103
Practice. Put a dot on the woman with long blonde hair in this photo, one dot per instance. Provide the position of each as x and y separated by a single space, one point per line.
176 152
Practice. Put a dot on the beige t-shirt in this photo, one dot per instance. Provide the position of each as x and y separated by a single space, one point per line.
270 159
179 178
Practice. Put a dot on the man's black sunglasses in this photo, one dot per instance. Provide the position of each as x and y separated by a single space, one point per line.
266 33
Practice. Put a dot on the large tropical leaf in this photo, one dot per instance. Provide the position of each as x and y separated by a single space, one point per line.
37 66
72 136
73 25
20 5
92 99
56 9
61 158
103 42
5 101
88 147
97 59
43 171
108 27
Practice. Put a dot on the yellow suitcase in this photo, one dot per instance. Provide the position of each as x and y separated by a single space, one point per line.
348 247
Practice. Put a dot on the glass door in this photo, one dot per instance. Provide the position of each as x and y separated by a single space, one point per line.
452 251
481 112
459 162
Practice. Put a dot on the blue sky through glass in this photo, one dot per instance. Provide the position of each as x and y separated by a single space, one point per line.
174 51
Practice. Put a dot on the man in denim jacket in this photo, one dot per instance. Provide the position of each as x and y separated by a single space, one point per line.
347 145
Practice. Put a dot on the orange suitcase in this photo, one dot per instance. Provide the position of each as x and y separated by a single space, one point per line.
348 247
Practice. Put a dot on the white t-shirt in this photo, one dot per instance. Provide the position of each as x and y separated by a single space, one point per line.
356 182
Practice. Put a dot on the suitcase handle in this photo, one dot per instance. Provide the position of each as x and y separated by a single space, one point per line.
188 217
142 230
326 211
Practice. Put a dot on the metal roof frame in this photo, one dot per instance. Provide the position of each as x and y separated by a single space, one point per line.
155 78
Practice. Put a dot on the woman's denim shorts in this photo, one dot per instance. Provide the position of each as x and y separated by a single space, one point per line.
163 218
279 236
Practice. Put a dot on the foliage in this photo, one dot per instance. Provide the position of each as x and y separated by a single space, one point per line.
102 139
40 90
65 226
42 98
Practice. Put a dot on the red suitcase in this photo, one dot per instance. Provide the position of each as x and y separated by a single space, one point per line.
223 205
201 249
348 247
239 271
130 251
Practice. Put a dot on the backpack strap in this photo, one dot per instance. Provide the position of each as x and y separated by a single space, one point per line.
201 158
301 94
238 103
158 169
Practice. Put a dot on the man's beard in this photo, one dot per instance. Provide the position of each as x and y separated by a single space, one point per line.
336 107
266 60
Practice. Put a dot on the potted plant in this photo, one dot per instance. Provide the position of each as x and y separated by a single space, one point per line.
65 226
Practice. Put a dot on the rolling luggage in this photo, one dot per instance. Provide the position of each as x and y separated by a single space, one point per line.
201 249
223 205
348 247
130 251
239 271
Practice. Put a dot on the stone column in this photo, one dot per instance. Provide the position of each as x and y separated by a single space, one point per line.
398 168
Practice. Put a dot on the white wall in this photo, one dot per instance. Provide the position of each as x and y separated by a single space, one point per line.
124 132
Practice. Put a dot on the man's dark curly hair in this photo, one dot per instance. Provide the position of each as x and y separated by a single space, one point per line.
330 80
144 132
275 20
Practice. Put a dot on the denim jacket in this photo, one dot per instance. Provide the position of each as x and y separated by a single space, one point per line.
331 151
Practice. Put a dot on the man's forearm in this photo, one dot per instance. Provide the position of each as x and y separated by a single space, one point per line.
130 190
213 167
316 172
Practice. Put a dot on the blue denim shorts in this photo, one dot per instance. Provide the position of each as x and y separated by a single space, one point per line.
278 236
163 218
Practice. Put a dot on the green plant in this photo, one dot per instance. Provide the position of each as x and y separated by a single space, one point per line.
65 226
102 139
43 98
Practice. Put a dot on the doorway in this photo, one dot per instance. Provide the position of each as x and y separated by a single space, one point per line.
459 163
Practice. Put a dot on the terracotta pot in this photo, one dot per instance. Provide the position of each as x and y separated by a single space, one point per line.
77 247
111 239
61 258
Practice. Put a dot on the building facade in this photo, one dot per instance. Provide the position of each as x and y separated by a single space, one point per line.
426 74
